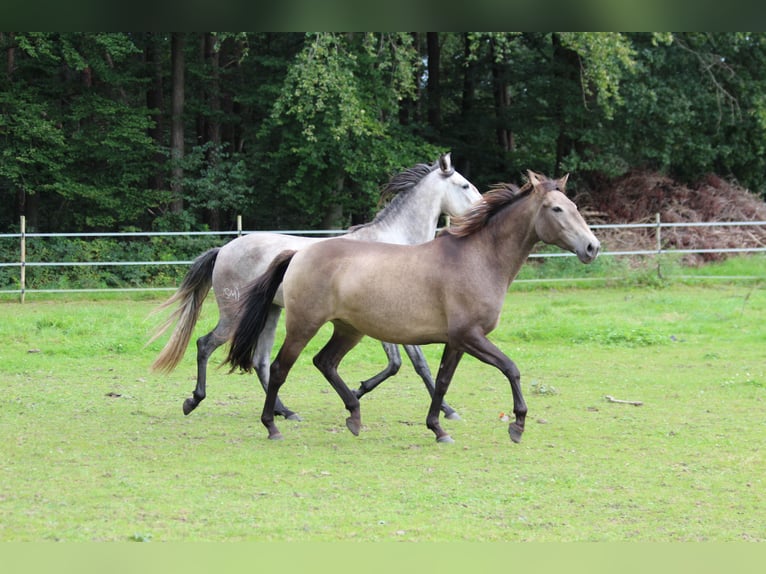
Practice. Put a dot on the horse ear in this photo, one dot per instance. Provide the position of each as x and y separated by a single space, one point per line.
445 162
534 179
563 182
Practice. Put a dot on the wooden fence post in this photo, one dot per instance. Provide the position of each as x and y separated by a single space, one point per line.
23 273
239 226
659 245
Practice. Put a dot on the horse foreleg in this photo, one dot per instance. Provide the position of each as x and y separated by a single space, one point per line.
516 428
484 350
415 353
343 339
277 375
394 364
450 359
262 356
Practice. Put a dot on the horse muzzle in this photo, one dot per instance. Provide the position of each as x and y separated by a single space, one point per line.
589 252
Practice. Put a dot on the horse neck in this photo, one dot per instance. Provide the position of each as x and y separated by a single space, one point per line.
413 220
510 237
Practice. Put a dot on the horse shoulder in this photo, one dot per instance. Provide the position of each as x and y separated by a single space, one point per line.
472 283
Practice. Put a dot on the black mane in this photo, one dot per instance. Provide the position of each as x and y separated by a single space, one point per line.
397 188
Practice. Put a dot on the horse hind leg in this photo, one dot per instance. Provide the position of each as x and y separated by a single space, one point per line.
295 341
394 364
343 339
207 344
262 356
205 347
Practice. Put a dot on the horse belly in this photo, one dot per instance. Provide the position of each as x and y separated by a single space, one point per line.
397 307
382 290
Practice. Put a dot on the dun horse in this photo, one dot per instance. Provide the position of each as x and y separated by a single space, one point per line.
449 290
420 193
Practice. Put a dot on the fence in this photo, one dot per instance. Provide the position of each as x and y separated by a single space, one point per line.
23 263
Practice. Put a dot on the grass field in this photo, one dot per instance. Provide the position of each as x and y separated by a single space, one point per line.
96 448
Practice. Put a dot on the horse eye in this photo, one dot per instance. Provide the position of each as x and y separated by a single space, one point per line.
466 186
557 209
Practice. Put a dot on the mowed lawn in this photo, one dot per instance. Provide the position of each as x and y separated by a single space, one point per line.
95 447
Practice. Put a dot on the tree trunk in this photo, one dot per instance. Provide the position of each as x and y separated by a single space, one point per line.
178 41
433 87
566 70
154 102
10 56
333 215
27 204
467 102
212 120
502 97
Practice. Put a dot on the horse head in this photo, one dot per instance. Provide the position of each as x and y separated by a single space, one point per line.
559 222
458 194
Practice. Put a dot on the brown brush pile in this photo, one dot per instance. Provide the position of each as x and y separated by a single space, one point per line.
638 196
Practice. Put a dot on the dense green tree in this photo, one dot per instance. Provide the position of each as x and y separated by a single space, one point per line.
74 137
333 135
110 131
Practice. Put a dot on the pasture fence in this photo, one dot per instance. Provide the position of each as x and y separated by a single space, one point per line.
22 261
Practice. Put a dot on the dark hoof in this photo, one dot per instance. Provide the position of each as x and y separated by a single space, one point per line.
515 431
189 406
276 436
446 439
453 416
293 417
353 425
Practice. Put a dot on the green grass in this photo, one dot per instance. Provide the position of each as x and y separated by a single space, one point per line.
95 447
631 271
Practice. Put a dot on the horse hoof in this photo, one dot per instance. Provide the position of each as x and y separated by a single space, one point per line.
515 431
189 406
453 416
353 425
446 439
293 417
276 436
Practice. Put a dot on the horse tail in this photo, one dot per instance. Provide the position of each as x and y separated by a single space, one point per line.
253 310
190 295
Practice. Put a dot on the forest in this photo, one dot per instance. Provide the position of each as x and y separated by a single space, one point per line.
185 131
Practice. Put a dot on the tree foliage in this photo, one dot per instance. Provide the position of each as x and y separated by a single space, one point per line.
300 130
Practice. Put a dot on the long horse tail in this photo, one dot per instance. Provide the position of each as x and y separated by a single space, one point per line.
253 310
190 296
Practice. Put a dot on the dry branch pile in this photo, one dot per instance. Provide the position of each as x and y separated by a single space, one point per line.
637 198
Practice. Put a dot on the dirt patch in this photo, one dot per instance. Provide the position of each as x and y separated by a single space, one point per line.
638 196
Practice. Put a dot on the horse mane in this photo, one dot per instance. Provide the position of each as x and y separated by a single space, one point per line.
498 197
398 187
